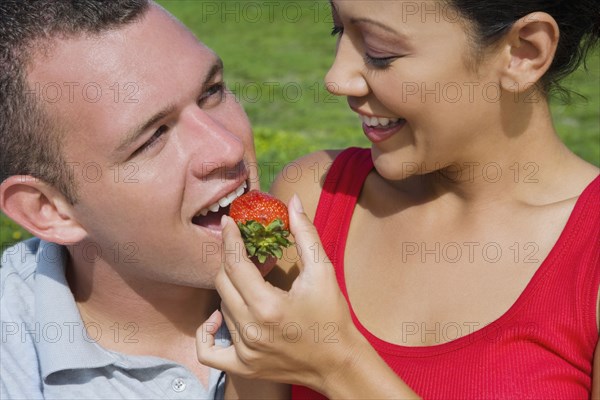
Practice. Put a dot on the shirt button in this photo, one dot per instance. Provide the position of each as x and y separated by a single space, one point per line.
178 385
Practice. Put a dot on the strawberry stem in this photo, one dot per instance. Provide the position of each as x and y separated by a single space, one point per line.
264 241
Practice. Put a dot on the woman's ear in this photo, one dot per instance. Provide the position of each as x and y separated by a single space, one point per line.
41 209
528 51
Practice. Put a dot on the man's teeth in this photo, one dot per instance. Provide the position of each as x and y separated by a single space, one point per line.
224 201
374 121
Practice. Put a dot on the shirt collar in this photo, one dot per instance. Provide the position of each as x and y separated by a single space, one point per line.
63 342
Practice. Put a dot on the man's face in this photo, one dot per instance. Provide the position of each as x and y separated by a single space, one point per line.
152 140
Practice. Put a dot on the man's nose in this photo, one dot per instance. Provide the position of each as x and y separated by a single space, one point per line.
213 145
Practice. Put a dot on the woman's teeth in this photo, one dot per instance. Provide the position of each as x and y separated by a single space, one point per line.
224 201
375 121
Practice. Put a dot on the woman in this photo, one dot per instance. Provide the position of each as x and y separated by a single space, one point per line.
465 242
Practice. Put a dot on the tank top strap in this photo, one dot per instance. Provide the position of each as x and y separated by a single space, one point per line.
341 189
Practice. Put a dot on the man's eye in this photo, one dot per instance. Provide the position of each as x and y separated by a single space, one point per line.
155 139
379 63
213 95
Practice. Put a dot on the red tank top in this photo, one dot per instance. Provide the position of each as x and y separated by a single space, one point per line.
541 348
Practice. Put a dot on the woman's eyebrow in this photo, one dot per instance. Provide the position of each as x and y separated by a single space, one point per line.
364 20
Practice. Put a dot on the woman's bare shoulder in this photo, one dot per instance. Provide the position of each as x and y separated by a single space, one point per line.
304 177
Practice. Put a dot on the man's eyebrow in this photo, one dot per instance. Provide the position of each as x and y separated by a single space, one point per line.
138 131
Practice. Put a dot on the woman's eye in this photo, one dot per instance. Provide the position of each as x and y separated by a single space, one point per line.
155 139
379 62
214 94
337 31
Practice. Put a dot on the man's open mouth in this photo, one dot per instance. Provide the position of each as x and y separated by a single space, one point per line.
210 217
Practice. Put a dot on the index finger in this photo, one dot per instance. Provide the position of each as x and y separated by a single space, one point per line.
242 272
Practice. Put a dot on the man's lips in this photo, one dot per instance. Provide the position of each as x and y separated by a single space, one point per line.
210 217
212 220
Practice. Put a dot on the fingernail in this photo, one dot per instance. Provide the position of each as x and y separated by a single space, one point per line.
212 317
211 323
297 204
223 221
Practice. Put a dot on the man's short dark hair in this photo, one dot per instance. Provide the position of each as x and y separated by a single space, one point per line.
30 140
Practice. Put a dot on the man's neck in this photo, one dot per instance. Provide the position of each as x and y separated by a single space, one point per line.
139 317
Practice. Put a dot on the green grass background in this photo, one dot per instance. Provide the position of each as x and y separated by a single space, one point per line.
276 54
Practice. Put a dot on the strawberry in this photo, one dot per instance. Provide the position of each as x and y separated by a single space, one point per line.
263 222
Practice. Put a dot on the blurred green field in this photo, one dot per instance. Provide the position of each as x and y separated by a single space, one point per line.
276 54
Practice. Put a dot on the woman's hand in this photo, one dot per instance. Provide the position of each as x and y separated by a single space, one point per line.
304 336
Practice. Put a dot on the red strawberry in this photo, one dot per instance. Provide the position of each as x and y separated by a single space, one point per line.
264 223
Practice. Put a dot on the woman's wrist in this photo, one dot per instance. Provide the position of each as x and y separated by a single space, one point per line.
360 373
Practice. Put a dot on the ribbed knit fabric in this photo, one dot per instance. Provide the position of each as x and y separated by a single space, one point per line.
541 348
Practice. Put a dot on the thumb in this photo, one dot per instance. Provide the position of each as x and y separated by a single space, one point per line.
205 335
208 353
306 236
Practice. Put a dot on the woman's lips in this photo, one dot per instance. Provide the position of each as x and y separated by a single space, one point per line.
379 133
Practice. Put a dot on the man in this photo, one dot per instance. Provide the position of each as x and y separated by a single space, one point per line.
117 137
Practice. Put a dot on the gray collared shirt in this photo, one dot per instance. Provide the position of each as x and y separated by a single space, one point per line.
47 352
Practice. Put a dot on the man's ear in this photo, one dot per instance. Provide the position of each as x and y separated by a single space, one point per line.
41 209
528 51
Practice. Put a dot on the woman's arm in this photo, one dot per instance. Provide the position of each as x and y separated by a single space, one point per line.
251 389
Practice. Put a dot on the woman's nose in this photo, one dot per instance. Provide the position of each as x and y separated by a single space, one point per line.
345 77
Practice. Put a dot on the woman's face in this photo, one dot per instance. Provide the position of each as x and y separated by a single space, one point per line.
406 69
